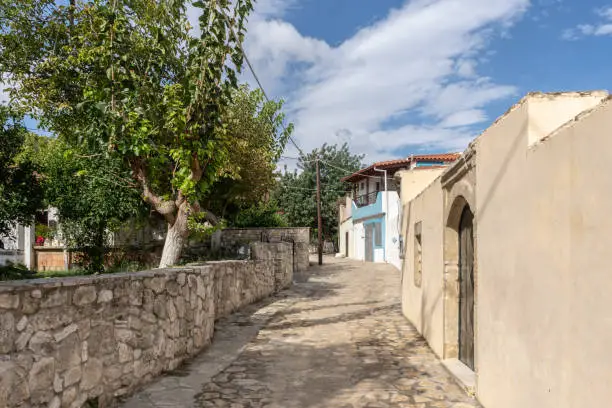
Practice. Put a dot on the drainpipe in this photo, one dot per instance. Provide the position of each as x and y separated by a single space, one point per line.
386 211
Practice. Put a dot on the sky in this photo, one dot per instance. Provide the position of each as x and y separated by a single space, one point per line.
396 77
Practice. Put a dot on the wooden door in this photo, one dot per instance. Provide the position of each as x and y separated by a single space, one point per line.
369 242
346 244
466 288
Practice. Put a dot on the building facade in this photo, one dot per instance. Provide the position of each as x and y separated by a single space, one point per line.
506 272
370 217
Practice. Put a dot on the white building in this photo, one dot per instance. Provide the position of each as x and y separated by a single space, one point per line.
370 217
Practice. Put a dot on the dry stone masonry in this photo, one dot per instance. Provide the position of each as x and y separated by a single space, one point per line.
64 342
232 240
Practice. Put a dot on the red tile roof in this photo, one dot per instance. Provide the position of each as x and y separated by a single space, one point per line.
395 165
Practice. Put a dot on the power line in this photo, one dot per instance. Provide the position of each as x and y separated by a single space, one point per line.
298 158
348 171
246 58
330 165
313 189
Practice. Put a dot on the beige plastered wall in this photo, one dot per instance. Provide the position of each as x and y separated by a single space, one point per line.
544 310
412 183
424 305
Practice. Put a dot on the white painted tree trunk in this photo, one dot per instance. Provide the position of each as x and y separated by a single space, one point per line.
175 239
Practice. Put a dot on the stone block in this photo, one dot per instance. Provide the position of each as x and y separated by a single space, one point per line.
172 287
72 376
84 328
105 296
92 374
171 310
125 353
65 332
22 323
50 319
58 384
124 335
30 304
136 293
159 307
40 380
84 351
68 396
24 337
103 342
55 402
84 295
8 332
54 298
9 301
68 352
7 379
42 343
156 284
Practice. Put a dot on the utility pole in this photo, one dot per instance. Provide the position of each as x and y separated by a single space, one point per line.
319 220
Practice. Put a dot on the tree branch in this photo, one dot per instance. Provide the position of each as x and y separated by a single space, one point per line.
166 208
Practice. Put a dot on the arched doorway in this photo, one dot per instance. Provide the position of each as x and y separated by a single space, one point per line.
466 287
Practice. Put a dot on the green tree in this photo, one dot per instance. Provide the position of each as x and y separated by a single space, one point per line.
259 138
20 190
260 215
126 77
93 194
296 193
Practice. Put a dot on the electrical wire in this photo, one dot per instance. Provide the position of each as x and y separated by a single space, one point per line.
348 171
246 59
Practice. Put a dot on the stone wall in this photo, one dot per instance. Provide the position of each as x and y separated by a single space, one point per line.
235 240
67 341
13 256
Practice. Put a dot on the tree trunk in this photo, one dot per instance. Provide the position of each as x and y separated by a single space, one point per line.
175 239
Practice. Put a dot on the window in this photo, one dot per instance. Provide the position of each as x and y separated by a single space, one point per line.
418 255
378 186
363 186
378 234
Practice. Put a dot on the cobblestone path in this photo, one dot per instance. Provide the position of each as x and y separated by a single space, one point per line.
335 340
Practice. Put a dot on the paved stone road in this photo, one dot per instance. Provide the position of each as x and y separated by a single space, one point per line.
335 340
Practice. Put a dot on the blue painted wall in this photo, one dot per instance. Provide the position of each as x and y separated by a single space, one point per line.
380 220
369 210
375 211
429 164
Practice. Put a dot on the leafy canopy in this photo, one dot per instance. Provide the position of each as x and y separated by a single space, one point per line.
93 194
259 138
20 190
125 77
296 193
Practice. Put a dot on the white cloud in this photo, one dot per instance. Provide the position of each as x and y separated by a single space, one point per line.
605 12
600 28
464 118
416 69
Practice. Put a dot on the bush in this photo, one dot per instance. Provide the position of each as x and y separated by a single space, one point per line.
263 215
15 272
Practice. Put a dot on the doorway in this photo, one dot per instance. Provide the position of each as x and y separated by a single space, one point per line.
466 288
346 244
369 242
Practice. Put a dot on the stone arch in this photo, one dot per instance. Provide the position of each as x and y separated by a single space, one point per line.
459 196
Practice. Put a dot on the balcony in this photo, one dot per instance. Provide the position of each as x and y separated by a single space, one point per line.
368 205
366 199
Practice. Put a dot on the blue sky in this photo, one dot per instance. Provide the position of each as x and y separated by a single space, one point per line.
394 77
